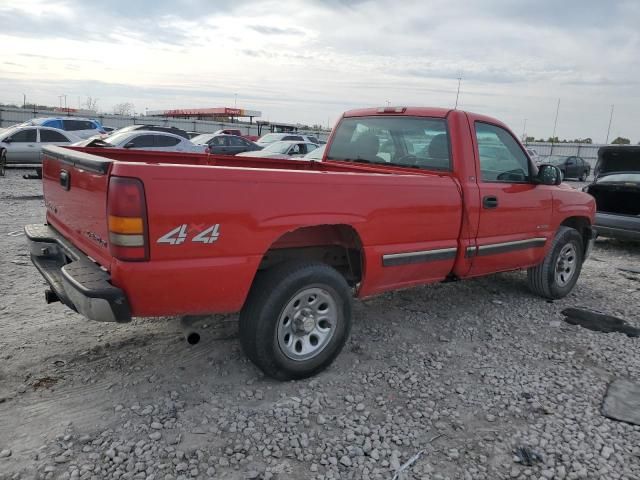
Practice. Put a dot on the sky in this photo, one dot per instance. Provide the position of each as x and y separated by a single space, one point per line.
308 61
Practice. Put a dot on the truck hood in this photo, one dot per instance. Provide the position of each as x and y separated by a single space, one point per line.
617 159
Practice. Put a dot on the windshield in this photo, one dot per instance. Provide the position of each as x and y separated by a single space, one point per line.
270 137
116 138
555 159
418 142
620 177
202 139
277 147
8 132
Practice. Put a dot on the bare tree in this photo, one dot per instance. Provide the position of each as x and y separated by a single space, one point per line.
125 108
91 103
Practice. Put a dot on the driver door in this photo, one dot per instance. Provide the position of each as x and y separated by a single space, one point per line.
515 213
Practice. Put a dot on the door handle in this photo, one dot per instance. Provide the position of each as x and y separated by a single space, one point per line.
490 201
65 179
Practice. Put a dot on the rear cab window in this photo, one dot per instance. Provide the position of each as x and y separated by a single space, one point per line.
418 142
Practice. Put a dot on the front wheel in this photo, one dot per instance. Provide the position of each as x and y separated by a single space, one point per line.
296 319
558 273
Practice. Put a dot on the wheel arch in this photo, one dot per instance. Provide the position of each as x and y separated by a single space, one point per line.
582 225
337 244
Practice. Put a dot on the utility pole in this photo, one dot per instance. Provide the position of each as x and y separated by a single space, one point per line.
609 127
24 100
555 124
524 131
235 100
458 92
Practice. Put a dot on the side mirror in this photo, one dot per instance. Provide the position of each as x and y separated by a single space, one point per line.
129 145
549 175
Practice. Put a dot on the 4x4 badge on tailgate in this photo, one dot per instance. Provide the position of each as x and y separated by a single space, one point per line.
179 235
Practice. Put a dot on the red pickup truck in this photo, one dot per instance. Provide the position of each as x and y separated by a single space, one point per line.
403 197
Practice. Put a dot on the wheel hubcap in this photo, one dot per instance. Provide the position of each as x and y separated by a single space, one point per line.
307 323
566 264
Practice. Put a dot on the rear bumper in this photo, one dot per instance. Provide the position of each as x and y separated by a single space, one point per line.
623 227
76 281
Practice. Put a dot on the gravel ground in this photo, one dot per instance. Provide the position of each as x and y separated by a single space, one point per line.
462 374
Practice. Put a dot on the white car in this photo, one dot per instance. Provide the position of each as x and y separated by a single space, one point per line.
23 145
80 127
284 150
284 137
145 140
316 155
533 155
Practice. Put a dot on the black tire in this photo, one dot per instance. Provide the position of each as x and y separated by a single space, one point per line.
543 279
583 177
3 161
272 291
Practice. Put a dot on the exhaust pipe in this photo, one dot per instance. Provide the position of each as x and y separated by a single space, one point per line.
189 330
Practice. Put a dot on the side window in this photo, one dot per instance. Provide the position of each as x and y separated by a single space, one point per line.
571 161
51 136
294 138
313 140
501 158
166 141
218 142
142 141
24 136
237 142
73 125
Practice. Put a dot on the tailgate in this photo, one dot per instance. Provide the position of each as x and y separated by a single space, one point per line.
75 192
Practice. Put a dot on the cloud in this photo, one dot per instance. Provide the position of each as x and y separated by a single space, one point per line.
266 30
307 63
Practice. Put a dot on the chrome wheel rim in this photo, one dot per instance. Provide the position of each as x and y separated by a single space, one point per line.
307 324
566 264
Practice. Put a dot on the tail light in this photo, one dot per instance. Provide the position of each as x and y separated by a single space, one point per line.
127 218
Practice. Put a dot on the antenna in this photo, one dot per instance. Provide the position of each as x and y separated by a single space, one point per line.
458 92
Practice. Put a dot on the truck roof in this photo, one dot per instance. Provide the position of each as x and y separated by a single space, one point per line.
413 111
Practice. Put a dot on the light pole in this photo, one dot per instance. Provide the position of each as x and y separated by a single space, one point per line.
555 124
524 131
235 100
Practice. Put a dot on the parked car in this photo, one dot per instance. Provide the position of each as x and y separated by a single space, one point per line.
288 247
570 166
23 144
316 154
616 188
145 140
154 128
279 137
221 144
237 132
80 127
283 149
108 129
533 155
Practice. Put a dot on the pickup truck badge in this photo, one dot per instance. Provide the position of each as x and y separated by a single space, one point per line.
179 235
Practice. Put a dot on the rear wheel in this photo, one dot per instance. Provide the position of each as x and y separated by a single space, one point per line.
583 177
296 319
3 161
558 273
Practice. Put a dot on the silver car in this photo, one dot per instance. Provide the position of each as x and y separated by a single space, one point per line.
284 150
145 140
24 144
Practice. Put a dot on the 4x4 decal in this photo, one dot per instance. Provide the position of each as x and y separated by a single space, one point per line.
180 234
